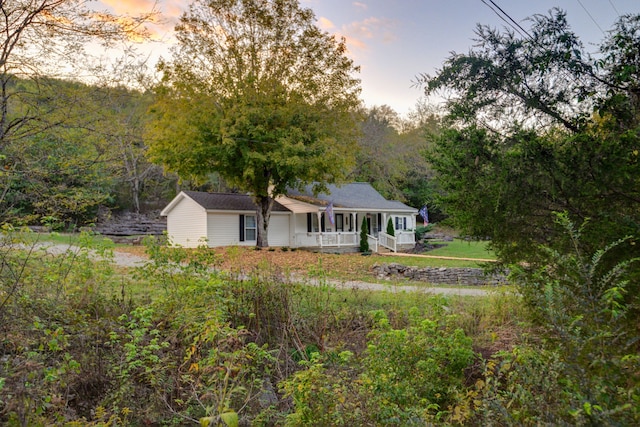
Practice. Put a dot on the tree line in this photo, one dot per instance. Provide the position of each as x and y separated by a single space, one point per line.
98 159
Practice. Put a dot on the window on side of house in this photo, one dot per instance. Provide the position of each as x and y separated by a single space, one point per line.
250 230
401 223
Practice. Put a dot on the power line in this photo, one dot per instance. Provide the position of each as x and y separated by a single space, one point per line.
518 28
614 7
591 16
509 17
501 17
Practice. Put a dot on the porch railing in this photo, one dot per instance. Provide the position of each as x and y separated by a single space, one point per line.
392 242
337 239
406 237
373 243
387 241
340 239
326 239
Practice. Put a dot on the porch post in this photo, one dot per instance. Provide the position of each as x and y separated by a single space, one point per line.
292 225
320 228
354 224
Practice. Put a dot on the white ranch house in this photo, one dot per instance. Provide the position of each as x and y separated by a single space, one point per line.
298 220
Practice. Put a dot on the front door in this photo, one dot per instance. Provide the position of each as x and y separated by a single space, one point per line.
339 222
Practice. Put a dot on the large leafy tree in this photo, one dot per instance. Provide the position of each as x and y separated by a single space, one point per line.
390 154
256 92
542 127
543 157
378 160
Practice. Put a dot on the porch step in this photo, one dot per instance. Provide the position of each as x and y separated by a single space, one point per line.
384 250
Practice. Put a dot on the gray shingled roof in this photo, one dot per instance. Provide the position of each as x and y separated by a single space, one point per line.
228 201
353 195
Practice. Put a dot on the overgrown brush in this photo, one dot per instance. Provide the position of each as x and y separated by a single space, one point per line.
54 312
226 349
585 369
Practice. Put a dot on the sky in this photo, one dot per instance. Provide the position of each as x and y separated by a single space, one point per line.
393 41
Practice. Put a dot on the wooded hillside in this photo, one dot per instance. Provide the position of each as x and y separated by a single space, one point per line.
92 159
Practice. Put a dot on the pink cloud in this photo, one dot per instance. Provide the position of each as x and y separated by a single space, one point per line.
359 34
169 13
325 24
129 6
360 5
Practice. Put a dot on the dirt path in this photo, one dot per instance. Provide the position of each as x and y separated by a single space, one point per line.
388 287
121 259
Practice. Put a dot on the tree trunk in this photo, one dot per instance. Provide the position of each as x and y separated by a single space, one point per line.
135 194
263 213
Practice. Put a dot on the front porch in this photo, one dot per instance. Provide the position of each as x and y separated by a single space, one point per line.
403 240
325 224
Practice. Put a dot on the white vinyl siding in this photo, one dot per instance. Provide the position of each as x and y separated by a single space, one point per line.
300 223
279 230
187 224
224 230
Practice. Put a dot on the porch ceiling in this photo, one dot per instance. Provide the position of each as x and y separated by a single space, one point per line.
296 206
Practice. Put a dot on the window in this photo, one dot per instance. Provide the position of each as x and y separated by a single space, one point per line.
250 230
401 223
312 223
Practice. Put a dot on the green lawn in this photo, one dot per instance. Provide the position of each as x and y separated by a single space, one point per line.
426 262
65 238
463 249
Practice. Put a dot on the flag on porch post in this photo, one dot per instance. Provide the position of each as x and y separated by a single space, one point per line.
424 214
329 212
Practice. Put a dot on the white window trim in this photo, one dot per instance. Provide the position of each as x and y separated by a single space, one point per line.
247 228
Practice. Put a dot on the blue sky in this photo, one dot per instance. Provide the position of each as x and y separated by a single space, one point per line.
395 40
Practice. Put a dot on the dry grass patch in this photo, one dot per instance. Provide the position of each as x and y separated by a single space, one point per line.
247 259
350 266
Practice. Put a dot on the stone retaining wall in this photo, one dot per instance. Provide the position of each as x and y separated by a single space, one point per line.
132 224
440 275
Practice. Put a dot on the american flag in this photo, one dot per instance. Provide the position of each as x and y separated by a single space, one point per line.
329 212
424 214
